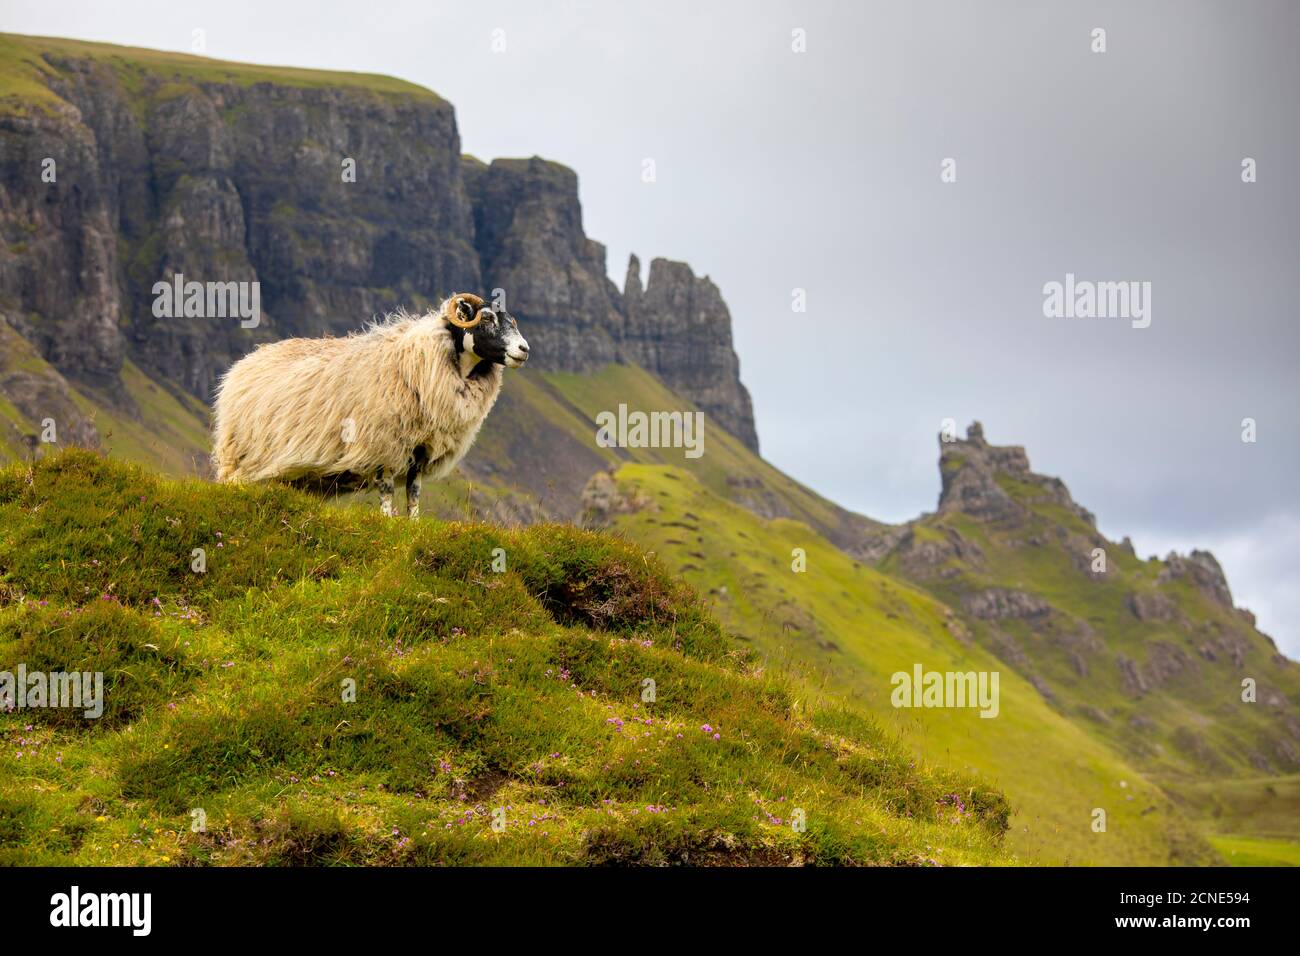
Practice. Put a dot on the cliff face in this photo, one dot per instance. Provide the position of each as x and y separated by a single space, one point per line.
528 229
679 328
222 181
528 232
344 197
59 259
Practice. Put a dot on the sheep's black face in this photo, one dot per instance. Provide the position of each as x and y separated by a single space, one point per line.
496 339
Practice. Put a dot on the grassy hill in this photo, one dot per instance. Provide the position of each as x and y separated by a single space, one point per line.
1148 657
159 426
541 439
728 523
1176 703
476 691
847 628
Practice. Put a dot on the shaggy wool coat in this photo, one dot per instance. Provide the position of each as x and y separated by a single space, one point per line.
314 408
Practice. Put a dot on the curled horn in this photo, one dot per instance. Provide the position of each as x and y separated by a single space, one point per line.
451 310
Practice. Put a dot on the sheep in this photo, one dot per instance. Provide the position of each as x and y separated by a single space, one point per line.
406 396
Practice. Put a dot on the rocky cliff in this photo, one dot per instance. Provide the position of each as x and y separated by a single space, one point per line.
975 477
528 232
165 168
343 196
679 328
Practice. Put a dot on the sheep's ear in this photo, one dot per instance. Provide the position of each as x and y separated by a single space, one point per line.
465 311
485 314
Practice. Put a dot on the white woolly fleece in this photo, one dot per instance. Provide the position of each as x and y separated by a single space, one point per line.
283 411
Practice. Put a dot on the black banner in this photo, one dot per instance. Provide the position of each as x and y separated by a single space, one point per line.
140 906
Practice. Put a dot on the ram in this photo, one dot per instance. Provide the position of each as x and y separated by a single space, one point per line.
406 396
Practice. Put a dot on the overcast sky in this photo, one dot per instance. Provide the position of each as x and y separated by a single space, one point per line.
820 170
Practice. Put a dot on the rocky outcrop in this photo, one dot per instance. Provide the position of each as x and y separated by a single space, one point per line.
1164 663
603 500
531 245
1016 558
679 328
1150 606
929 554
529 238
1204 572
997 604
975 474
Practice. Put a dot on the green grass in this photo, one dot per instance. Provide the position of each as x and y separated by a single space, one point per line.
841 629
24 67
1263 807
167 430
1246 851
476 690
543 440
847 628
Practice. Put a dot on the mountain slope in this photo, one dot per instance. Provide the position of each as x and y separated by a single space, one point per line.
164 427
336 688
1148 656
723 521
1151 655
848 628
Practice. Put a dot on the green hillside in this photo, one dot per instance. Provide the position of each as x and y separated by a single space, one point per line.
847 628
1052 756
153 424
480 696
541 439
1183 714
1148 657
728 524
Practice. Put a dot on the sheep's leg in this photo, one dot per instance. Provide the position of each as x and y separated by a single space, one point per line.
414 478
385 479
413 493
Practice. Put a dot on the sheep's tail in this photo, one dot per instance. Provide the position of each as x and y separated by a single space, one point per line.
225 455
223 460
